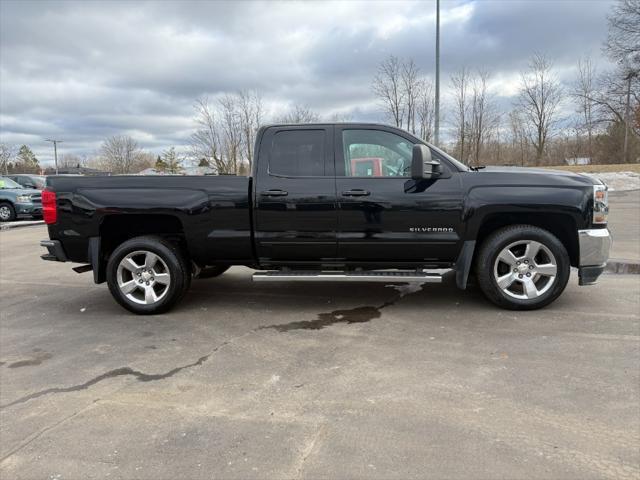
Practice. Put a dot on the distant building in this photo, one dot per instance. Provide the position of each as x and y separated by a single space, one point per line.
578 161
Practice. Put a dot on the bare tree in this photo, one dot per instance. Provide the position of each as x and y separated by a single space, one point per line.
6 154
410 92
120 154
425 110
460 84
539 98
608 99
623 40
584 92
519 139
299 114
250 119
387 86
231 132
205 142
483 115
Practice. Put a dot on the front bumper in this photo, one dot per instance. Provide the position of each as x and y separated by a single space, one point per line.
28 208
595 245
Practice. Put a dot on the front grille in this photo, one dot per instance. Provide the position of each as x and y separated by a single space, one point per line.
36 198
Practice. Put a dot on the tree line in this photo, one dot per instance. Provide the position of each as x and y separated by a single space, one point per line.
604 125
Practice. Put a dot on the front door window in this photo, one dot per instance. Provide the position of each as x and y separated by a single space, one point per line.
375 153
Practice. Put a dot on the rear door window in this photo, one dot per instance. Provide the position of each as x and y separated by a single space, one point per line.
298 153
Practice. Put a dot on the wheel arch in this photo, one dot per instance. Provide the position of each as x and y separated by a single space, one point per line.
117 229
561 225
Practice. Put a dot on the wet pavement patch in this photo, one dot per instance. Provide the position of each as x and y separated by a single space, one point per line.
31 362
354 315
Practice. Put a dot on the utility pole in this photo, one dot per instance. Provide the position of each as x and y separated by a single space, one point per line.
436 133
630 75
55 150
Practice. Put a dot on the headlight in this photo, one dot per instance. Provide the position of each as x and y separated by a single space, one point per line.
600 204
23 198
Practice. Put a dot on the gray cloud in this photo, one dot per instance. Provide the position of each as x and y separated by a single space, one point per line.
84 70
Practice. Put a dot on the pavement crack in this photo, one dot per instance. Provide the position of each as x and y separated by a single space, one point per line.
117 372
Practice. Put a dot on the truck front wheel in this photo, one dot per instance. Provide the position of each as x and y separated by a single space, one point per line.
147 275
522 267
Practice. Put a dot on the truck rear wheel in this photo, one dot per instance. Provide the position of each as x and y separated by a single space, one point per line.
522 267
147 275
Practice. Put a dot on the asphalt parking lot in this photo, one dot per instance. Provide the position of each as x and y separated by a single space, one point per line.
290 380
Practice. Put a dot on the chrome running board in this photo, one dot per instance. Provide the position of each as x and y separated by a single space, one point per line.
363 276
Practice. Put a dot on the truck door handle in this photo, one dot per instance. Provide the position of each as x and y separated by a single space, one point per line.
274 193
356 193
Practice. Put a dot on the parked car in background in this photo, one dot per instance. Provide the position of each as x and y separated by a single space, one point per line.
29 181
16 200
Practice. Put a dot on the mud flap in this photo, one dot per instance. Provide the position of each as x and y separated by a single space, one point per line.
463 263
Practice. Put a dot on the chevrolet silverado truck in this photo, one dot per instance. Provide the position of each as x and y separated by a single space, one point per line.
334 202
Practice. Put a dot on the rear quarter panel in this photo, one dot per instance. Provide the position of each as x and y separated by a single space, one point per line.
212 210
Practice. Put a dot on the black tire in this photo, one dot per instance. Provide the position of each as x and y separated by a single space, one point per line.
176 266
491 248
212 271
11 212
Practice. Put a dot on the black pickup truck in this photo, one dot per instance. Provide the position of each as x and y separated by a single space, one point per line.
334 202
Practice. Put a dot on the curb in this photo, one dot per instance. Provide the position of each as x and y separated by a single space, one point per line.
18 224
621 266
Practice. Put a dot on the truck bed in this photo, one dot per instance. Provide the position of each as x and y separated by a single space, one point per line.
212 213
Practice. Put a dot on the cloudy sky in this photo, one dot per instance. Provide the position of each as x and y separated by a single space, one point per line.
81 71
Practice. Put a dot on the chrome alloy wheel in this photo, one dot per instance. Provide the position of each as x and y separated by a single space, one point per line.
5 213
525 269
143 277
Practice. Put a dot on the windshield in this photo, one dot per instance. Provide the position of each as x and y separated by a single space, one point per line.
8 183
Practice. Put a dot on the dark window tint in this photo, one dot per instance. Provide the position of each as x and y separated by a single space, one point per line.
298 153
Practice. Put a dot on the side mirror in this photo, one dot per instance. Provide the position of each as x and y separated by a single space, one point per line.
422 164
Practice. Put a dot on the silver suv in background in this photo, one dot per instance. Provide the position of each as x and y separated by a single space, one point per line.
16 200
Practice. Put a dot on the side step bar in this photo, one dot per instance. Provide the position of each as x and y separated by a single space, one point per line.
364 276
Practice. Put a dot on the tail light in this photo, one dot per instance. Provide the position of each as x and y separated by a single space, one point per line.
600 204
49 209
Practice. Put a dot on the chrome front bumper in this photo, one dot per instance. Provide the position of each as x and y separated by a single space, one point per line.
594 245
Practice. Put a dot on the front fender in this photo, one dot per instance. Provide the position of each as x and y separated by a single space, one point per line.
485 202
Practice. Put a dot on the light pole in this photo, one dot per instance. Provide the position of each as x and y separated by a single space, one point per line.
627 109
55 151
436 133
